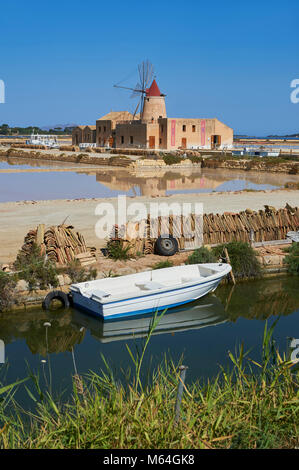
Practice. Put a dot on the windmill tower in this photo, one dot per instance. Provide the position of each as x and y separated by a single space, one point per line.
151 102
154 104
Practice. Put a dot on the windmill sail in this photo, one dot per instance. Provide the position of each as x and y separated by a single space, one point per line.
146 73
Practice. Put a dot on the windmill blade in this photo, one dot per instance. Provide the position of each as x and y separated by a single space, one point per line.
141 75
125 87
137 90
149 73
125 79
142 103
136 109
146 73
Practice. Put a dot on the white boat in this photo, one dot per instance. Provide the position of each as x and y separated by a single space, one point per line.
255 152
199 314
149 291
49 141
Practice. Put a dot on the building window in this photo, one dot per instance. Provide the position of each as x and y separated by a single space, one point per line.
104 128
131 139
100 129
160 141
193 128
122 139
184 128
162 128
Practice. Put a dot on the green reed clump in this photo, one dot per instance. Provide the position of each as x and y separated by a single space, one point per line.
195 158
171 158
118 250
249 405
292 259
243 258
78 273
201 255
8 295
36 269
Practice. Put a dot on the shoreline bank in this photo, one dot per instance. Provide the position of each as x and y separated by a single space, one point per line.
132 160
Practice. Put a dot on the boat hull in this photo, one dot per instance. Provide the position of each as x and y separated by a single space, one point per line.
146 303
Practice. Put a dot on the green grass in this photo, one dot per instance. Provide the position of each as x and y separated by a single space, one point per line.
251 405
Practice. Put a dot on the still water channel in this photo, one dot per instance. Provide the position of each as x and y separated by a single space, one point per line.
42 180
201 333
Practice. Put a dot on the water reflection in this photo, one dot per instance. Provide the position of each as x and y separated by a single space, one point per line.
203 313
29 326
166 182
256 300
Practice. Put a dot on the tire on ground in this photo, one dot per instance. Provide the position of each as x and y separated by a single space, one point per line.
56 295
166 246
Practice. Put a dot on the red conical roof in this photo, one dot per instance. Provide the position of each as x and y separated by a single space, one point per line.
153 90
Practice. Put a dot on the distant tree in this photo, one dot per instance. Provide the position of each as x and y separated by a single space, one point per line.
4 129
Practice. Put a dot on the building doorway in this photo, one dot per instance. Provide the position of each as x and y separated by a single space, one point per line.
215 141
184 142
152 142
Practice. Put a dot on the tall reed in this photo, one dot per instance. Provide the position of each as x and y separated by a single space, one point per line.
248 405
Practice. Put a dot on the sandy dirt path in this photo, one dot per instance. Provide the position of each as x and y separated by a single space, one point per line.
16 218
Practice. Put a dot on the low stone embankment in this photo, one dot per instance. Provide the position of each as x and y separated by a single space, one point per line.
291 167
72 157
133 158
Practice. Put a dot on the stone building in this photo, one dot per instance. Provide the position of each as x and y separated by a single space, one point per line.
105 127
89 134
154 130
77 135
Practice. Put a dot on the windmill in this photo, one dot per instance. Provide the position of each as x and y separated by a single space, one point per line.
146 73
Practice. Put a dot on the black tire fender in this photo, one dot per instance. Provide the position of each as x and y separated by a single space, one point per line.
166 246
56 295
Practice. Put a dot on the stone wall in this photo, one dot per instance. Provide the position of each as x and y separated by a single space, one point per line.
291 167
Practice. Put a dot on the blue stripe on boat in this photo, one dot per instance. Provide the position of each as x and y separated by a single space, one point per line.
135 312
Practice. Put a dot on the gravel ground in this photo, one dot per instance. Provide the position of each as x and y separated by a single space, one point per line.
16 218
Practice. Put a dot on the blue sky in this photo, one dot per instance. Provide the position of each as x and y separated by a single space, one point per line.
233 60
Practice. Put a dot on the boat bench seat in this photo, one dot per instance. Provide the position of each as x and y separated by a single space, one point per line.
150 285
184 280
99 294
